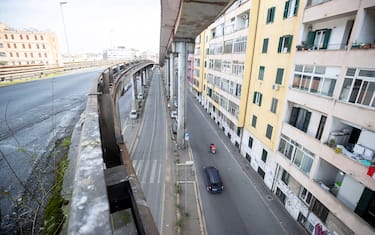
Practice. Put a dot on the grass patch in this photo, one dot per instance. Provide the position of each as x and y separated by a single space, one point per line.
66 142
53 214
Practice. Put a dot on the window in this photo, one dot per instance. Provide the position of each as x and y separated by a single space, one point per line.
291 8
1 45
239 45
27 37
250 143
15 45
2 54
228 45
6 36
320 210
285 43
41 37
36 37
318 39
298 155
264 155
257 98
254 121
270 15
285 177
261 73
280 195
12 36
269 131
279 76
265 45
274 105
300 118
315 79
359 87
305 195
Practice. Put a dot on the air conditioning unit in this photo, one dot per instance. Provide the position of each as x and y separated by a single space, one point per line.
275 87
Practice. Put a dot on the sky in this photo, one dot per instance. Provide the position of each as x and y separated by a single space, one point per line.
91 25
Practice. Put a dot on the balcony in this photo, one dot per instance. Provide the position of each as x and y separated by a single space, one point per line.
342 162
321 9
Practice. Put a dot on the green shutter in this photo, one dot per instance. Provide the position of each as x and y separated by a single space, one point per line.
261 73
286 8
290 42
279 76
296 8
326 38
254 97
280 43
265 45
306 122
273 13
260 99
310 39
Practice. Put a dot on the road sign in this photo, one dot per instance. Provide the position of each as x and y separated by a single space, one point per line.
187 136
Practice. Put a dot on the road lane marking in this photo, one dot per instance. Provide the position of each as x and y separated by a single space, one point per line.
152 176
140 162
145 171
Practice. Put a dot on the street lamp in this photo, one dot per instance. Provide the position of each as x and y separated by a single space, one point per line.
63 20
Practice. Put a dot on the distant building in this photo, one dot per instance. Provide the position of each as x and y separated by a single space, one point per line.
26 47
120 53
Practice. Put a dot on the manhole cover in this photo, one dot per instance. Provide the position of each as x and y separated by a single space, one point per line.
269 197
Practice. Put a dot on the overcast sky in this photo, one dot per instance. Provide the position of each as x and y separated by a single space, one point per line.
91 25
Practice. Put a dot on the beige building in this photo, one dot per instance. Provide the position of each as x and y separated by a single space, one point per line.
22 47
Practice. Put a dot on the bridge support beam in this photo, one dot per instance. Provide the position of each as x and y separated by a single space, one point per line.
134 92
171 79
181 49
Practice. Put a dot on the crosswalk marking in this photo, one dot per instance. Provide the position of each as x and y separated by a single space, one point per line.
148 170
145 172
154 164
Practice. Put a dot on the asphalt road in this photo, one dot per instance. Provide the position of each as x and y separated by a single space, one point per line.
149 156
33 116
240 208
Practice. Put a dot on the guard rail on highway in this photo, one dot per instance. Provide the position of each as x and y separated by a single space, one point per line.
10 73
105 180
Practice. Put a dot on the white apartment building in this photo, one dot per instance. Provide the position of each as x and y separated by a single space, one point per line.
327 141
26 47
223 69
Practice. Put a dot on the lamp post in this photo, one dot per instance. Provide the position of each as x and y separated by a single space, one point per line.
63 20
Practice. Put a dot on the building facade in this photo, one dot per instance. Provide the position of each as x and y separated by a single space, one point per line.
298 100
22 47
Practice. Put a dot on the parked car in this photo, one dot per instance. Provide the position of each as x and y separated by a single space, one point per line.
133 114
213 180
140 96
174 127
174 114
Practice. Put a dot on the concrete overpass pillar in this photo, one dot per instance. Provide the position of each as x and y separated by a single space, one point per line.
134 91
182 57
142 78
166 77
171 79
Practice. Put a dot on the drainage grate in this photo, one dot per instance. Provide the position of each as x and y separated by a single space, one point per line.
269 197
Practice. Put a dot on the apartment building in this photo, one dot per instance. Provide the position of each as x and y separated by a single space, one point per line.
327 137
26 47
299 103
220 56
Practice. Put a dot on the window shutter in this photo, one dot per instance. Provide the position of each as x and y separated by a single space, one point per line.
254 97
273 13
306 122
260 99
290 42
280 44
279 76
265 45
286 8
310 39
296 8
326 38
293 116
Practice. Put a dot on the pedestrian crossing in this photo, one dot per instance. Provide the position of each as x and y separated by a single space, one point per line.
148 171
